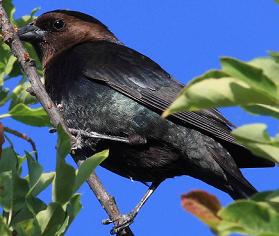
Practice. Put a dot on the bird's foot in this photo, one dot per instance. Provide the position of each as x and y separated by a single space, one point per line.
77 144
124 222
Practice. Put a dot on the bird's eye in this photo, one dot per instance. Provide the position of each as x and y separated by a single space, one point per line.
58 24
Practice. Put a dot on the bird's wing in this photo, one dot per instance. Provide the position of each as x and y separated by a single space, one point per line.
144 81
138 77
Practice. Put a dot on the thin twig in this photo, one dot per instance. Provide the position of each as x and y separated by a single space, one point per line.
11 38
24 137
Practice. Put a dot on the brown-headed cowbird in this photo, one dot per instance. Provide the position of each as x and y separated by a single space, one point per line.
117 95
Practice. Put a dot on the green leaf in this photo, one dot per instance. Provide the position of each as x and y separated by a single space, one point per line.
239 83
9 7
217 74
9 65
64 181
274 55
210 93
4 92
64 226
63 144
2 138
269 66
254 132
51 219
32 207
34 56
227 228
44 181
35 205
4 229
20 161
73 208
20 190
6 190
257 140
24 20
34 169
269 196
38 180
262 109
8 160
13 189
63 187
250 217
87 166
28 227
30 116
251 75
20 95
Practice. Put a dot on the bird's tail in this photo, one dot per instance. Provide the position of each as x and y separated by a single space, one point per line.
239 187
223 173
240 190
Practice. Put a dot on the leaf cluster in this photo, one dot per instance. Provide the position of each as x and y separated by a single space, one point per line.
258 216
24 213
21 105
254 86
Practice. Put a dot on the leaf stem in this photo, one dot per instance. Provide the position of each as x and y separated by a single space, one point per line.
24 137
10 217
5 116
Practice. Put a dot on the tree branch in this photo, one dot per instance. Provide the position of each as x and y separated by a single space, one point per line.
10 38
24 137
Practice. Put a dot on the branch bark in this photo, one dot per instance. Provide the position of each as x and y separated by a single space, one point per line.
24 137
10 38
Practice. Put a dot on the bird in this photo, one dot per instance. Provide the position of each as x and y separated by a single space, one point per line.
112 96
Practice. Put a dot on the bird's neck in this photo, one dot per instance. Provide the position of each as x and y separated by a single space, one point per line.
60 71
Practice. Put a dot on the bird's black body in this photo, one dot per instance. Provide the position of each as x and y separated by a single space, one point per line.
91 94
105 87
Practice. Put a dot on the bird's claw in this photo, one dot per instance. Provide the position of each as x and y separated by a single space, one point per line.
124 222
77 142
119 228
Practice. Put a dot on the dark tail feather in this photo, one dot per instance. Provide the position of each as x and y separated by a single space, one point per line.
240 190
239 187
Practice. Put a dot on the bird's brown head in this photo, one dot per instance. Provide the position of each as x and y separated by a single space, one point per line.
56 31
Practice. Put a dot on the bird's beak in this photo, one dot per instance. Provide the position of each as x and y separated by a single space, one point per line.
31 33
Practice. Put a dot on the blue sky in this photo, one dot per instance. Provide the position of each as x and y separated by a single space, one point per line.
186 38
